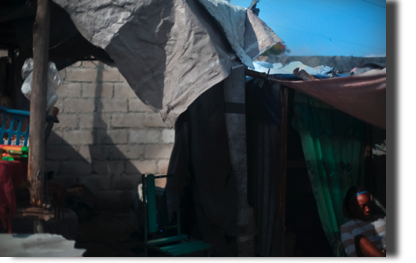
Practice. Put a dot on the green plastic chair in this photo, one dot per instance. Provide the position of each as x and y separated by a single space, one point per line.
178 245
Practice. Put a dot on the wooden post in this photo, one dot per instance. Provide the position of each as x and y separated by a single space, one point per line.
368 158
281 182
38 102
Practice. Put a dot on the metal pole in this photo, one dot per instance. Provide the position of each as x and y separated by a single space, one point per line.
38 102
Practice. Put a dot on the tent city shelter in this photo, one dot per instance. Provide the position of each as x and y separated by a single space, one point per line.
187 61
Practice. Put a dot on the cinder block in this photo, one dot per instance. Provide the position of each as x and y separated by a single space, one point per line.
66 121
97 90
75 168
94 120
112 198
61 152
108 167
96 152
90 64
76 64
168 136
158 151
128 151
111 75
52 166
84 152
126 182
112 105
79 105
111 136
96 183
127 120
141 167
136 105
65 181
83 75
144 136
69 90
55 138
154 120
121 78
162 166
161 183
60 105
62 72
78 137
123 90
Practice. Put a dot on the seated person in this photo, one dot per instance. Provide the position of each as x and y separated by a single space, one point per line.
364 235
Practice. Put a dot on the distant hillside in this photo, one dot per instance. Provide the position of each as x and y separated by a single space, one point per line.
340 63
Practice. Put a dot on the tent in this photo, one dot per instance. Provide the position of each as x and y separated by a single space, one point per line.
333 126
169 51
186 60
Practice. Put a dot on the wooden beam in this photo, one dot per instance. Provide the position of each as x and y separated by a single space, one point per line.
368 155
281 182
38 102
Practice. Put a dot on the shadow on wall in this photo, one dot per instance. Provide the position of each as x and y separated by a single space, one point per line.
91 145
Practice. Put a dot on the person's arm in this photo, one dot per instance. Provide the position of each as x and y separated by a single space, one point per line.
365 248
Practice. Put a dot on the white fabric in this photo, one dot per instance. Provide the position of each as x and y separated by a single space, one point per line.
37 245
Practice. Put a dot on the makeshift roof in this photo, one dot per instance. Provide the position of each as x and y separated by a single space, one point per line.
169 51
362 96
67 45
172 51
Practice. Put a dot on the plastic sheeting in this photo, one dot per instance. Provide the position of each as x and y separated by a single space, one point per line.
171 51
362 96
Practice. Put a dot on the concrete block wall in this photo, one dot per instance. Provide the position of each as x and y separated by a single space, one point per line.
106 137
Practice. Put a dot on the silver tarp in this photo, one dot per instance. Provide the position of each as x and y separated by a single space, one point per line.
171 51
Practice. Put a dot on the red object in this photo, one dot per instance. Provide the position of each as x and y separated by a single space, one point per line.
362 96
13 175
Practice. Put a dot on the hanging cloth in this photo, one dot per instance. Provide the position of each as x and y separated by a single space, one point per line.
333 145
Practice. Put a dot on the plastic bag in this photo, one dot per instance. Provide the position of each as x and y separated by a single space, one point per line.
54 81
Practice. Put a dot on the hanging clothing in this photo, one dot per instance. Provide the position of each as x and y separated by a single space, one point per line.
200 163
333 145
266 184
265 180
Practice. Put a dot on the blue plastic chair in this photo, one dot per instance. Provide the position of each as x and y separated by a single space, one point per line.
18 116
184 246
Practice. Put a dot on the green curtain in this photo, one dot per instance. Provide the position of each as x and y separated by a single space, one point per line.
333 145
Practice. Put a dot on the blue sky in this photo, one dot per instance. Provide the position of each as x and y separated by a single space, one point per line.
327 27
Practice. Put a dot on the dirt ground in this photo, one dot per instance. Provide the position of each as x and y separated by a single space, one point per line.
108 234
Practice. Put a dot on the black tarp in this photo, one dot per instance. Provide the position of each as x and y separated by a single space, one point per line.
201 167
